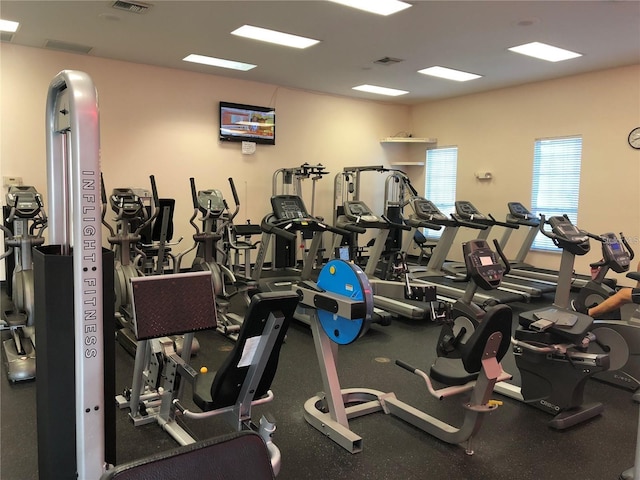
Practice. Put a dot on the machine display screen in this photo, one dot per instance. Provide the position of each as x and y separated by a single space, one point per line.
486 261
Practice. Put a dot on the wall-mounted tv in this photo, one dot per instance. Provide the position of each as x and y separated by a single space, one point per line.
247 123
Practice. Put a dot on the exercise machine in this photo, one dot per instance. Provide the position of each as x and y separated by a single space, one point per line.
617 334
25 213
75 385
343 306
242 381
519 215
131 218
216 218
399 298
551 344
451 287
466 211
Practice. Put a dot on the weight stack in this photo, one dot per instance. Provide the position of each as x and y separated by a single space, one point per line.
55 362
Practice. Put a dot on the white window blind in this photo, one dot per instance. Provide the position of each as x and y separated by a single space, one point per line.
556 181
440 181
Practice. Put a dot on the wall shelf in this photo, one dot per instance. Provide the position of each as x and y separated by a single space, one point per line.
408 140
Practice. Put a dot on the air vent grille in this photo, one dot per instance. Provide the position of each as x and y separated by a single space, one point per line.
67 47
133 7
388 61
6 36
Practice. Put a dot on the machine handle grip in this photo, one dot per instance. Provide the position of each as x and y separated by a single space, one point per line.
463 223
507 265
234 192
194 195
154 191
627 246
401 226
270 228
515 226
406 366
103 192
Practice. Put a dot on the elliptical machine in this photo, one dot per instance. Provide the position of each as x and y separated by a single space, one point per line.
131 218
551 344
216 218
26 214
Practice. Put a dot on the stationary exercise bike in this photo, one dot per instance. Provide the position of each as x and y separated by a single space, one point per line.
343 304
551 344
619 335
25 212
216 217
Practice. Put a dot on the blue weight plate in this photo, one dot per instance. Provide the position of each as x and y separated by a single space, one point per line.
348 280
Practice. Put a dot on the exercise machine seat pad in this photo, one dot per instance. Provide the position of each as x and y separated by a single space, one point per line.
237 456
222 389
458 371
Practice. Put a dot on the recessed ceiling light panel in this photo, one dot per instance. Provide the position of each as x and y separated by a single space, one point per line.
218 62
449 74
273 36
8 26
392 92
381 7
545 52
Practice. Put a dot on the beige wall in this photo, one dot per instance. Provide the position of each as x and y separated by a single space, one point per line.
495 131
164 122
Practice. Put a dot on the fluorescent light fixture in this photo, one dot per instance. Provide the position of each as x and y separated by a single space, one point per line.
381 7
8 26
272 36
218 62
545 52
449 74
392 92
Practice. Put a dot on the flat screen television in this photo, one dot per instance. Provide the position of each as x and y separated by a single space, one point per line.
247 123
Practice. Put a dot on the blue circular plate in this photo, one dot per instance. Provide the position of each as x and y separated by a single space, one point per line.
348 280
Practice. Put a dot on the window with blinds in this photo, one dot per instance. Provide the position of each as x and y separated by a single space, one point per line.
440 181
556 181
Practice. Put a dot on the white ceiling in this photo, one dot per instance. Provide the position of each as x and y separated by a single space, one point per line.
467 35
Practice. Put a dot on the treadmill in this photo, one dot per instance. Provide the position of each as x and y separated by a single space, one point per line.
406 299
521 216
451 286
289 218
466 211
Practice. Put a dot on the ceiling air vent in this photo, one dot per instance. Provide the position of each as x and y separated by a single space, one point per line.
388 61
67 47
6 36
133 7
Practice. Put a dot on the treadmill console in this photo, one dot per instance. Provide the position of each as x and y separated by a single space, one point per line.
357 211
614 254
26 200
426 210
518 213
482 264
211 202
289 207
126 203
466 211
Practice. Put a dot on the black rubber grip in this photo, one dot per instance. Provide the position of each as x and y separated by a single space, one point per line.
194 195
103 192
406 366
234 192
154 190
